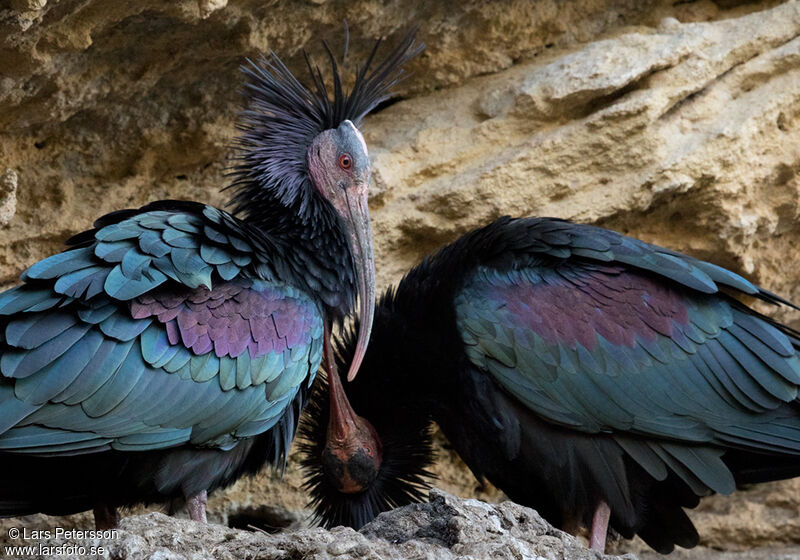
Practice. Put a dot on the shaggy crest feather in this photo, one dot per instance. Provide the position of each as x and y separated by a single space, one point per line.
283 116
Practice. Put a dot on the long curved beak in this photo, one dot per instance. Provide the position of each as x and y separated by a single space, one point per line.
358 225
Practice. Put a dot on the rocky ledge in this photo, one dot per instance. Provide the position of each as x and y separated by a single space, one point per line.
446 527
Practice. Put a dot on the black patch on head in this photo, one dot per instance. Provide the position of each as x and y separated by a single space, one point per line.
332 468
363 469
283 116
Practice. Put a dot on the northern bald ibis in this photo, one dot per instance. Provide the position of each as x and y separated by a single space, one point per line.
599 379
170 349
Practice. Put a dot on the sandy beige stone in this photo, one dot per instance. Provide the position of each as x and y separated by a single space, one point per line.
8 196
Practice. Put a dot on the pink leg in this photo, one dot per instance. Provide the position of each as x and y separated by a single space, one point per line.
105 517
597 539
197 507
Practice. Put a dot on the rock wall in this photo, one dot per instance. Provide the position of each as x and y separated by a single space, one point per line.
678 123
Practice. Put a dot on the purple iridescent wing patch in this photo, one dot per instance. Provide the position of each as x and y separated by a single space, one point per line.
247 332
579 309
601 347
231 318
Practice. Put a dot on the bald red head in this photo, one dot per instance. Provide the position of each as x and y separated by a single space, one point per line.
353 452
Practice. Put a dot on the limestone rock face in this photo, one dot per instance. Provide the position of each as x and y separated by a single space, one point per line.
675 122
8 196
683 134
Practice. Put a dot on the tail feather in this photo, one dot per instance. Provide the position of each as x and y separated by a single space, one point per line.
754 468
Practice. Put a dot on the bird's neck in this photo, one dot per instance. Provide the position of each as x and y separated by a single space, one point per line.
313 250
421 349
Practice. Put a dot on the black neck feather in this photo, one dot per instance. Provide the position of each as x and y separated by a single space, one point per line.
271 184
314 251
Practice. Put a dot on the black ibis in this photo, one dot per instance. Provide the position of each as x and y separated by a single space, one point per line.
599 379
170 349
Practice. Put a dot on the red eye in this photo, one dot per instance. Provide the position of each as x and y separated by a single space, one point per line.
345 161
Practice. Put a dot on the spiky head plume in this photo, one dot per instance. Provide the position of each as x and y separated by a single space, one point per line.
283 116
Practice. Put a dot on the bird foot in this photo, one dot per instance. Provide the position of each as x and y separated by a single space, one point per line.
597 538
196 505
105 517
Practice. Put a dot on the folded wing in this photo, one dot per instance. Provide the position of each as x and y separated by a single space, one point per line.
164 326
